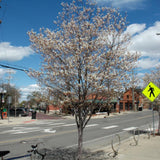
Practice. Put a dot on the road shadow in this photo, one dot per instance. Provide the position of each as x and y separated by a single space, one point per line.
71 154
138 132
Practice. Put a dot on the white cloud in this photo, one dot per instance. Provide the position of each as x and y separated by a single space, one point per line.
130 4
147 43
3 72
135 28
13 53
25 91
148 63
121 3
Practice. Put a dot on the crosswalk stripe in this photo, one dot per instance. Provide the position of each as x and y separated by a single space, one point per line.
67 125
91 125
19 132
109 127
129 129
23 130
55 124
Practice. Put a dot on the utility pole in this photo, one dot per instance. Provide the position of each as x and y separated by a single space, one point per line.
9 76
9 98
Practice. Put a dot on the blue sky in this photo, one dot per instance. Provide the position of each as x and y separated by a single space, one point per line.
20 16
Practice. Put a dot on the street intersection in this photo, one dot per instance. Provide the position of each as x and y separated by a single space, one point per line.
63 132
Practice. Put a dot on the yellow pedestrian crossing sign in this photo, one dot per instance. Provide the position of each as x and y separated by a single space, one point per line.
151 91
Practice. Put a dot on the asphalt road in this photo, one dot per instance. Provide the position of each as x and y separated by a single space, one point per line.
63 132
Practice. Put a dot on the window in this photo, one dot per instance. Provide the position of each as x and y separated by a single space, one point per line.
121 106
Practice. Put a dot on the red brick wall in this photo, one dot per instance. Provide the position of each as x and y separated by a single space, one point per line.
127 99
53 108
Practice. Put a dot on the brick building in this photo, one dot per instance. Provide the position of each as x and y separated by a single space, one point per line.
126 103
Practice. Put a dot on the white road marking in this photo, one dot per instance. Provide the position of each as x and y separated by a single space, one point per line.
91 125
19 132
18 127
109 127
129 129
43 122
26 130
8 131
22 130
49 131
66 125
55 124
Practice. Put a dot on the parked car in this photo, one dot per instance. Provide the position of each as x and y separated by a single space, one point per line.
18 112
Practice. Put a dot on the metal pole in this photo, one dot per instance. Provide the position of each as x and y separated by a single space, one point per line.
8 113
153 121
133 103
1 109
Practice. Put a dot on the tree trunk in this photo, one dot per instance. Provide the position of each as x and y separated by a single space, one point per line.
80 142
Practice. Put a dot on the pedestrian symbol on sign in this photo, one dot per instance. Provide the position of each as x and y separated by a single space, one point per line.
151 90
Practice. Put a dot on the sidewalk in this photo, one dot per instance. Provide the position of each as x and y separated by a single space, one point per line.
147 149
16 120
27 119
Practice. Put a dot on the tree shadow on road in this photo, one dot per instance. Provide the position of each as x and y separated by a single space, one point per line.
71 154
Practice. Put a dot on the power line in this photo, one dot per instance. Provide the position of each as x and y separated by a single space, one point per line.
15 68
7 66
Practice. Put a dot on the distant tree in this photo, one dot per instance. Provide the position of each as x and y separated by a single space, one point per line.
36 98
86 54
23 104
10 91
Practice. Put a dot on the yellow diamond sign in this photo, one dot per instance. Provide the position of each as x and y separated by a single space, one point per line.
151 91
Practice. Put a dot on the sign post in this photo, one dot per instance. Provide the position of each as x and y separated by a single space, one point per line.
153 120
151 92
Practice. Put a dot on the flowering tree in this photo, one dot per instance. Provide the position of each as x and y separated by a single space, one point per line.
86 54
